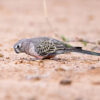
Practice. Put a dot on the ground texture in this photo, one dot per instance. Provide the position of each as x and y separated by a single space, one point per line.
70 77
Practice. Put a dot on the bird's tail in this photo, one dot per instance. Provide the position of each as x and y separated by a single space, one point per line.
80 50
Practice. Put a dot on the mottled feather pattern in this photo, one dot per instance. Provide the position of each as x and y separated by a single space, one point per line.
48 46
45 47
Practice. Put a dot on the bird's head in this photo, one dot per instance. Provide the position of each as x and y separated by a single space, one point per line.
19 47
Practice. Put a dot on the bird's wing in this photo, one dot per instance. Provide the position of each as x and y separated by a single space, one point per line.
49 46
45 48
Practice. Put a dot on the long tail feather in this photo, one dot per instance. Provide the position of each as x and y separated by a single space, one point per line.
80 50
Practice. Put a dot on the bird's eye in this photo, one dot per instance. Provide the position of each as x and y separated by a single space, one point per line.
19 45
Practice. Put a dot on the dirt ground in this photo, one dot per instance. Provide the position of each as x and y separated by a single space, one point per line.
73 76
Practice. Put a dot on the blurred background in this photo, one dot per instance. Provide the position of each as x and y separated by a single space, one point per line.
73 76
26 18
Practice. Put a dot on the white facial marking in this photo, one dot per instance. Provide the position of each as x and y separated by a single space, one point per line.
20 44
32 51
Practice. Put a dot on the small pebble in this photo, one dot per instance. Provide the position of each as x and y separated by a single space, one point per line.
66 82
33 77
96 83
7 57
1 55
92 67
60 69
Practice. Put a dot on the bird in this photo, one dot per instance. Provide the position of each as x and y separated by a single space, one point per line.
46 48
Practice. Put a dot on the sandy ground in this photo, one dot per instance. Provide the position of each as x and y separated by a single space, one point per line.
73 76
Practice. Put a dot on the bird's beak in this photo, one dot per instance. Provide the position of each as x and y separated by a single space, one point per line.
16 50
